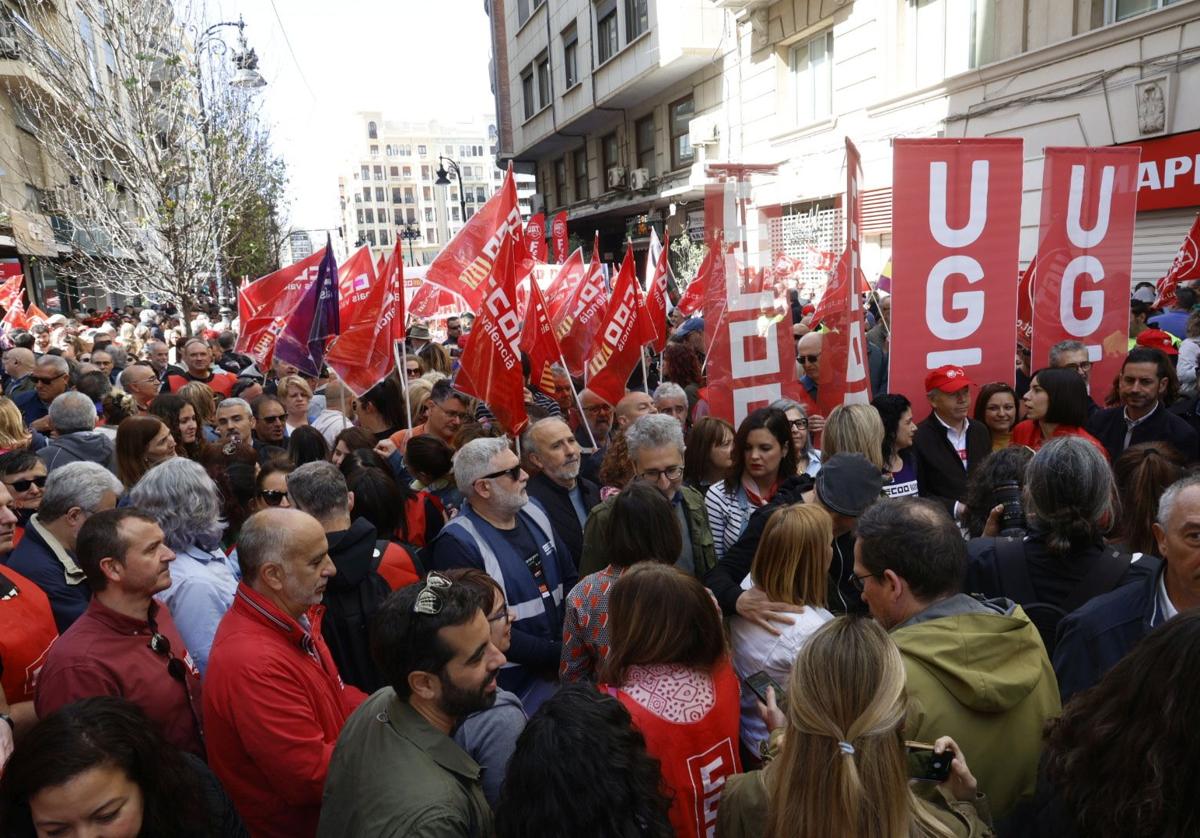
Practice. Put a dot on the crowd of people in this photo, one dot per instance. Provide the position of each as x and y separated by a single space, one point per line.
243 601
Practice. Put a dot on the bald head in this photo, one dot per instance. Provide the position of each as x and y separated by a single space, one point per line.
808 353
633 406
18 362
269 536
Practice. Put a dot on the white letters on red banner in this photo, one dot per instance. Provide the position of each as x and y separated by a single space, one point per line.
1085 255
535 237
957 224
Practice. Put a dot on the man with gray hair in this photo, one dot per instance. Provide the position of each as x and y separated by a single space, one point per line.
1073 354
46 554
234 419
1094 638
655 445
500 531
76 439
567 497
672 400
139 381
51 376
364 564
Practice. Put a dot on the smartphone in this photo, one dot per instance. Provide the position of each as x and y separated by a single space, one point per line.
924 764
759 681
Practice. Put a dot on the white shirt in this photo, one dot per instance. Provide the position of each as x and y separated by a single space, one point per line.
957 437
1165 606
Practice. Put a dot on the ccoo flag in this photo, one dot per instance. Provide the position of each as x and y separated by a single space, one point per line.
314 320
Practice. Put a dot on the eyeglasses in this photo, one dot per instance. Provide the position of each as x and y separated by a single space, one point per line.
808 359
176 668
429 598
412 372
454 414
653 475
278 417
37 379
272 498
799 424
500 616
1082 366
513 473
23 485
859 583
598 408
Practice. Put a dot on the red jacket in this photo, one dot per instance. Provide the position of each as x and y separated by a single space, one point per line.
1029 434
221 383
26 632
274 705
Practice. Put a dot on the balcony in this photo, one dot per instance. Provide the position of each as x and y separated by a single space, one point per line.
22 50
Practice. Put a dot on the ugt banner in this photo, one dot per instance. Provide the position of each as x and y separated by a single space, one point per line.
558 231
956 205
751 359
1085 255
535 237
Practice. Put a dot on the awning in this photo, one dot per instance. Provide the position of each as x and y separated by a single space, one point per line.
33 234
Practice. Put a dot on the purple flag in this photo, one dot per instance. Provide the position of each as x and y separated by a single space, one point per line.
313 322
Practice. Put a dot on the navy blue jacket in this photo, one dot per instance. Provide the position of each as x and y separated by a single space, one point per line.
558 505
34 560
1108 426
32 408
1092 639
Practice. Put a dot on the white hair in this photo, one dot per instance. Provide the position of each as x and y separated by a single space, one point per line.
474 460
656 430
185 502
71 412
670 390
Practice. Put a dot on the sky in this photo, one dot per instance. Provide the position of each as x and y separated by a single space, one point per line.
410 59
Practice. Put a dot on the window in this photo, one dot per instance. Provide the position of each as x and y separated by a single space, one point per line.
427 193
372 131
367 193
399 216
370 214
944 26
470 212
637 18
570 39
606 30
449 151
393 171
579 161
359 215
409 198
429 213
466 170
379 194
422 150
374 151
810 64
609 153
366 172
1122 9
681 114
384 238
371 237
407 172
410 215
560 181
378 170
644 132
424 173
395 194
527 92
430 235
543 77
455 214
480 194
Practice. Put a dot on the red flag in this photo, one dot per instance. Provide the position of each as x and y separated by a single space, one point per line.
1185 267
465 263
569 276
362 355
583 315
535 237
618 347
11 290
656 299
356 277
693 297
490 368
559 232
537 341
1025 305
265 305
15 317
35 314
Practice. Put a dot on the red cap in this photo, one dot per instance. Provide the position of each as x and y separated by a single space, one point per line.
1157 339
948 379
808 309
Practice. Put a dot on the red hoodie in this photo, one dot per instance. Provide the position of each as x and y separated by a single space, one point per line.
274 705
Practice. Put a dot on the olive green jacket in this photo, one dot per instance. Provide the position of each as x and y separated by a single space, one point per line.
595 535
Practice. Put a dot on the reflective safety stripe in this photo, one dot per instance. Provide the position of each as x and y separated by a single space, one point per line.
534 607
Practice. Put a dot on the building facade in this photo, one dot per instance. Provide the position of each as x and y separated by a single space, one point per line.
617 105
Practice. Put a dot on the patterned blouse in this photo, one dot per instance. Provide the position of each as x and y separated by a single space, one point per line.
585 626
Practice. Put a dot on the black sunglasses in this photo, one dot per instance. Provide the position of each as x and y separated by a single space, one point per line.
161 646
272 419
808 359
272 498
513 473
37 379
23 485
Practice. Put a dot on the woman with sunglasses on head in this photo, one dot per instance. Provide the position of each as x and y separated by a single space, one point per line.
763 456
142 443
296 396
808 458
24 475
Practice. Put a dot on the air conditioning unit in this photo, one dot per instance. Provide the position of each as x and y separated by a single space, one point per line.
616 177
638 178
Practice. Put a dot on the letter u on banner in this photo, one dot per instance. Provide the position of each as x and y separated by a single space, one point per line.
1089 206
957 210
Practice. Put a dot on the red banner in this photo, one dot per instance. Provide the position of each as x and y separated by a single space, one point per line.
466 262
537 341
1085 256
11 290
1169 172
265 305
558 231
356 279
656 298
956 209
490 368
362 355
583 316
618 348
1025 305
697 290
843 371
535 237
569 276
751 356
1185 268
35 314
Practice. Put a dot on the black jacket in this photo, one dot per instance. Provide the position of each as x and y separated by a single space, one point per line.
1109 427
557 503
940 475
352 596
1189 411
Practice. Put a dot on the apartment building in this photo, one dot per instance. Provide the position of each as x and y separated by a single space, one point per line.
617 105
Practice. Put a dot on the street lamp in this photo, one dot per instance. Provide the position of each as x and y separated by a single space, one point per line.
410 233
443 179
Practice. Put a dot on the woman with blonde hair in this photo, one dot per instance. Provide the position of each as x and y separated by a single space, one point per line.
790 565
418 395
200 397
13 434
842 767
296 396
855 429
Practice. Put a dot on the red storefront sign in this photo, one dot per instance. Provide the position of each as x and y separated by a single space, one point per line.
1169 175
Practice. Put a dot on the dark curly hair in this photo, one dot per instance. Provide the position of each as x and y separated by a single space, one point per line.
104 731
1003 466
891 407
1124 754
681 365
623 796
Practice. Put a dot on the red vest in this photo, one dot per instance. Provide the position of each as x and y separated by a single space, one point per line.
221 383
696 758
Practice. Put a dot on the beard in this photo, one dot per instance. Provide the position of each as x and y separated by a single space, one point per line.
567 471
458 703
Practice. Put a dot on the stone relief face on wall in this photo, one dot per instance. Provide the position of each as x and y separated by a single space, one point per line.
1152 106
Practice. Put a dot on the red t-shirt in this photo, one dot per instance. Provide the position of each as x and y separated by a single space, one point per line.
1029 433
26 633
221 383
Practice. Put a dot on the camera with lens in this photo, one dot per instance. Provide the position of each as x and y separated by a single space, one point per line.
1012 519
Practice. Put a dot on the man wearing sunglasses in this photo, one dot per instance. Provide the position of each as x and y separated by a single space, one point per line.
270 422
499 531
51 377
126 643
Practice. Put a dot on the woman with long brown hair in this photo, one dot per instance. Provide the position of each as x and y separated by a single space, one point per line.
142 443
669 666
842 768
180 417
709 454
1143 472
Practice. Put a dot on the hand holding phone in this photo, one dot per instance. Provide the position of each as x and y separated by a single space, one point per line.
924 763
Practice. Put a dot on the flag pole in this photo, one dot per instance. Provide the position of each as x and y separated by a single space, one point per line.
400 350
578 402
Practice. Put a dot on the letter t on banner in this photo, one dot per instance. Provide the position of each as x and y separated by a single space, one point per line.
957 210
1085 256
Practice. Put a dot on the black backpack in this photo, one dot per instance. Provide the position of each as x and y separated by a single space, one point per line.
1012 576
347 620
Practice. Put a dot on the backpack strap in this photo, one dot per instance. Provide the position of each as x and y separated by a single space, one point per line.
1106 573
1012 570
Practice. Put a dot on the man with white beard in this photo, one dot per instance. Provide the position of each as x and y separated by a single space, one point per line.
566 497
500 532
